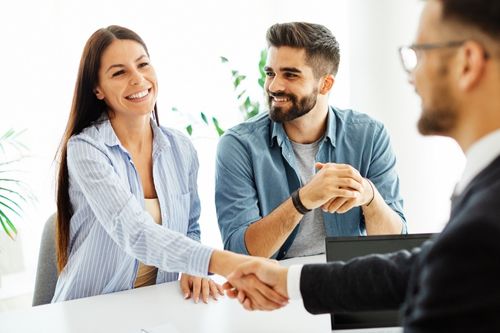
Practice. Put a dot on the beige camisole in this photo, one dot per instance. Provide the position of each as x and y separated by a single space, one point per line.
146 275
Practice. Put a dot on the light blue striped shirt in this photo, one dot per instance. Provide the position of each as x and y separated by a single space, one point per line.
110 230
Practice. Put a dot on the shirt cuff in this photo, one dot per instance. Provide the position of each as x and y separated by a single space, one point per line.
199 260
293 284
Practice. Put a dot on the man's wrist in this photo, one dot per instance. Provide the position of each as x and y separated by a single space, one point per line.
297 203
372 187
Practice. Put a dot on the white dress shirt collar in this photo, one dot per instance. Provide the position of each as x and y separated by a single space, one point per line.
479 156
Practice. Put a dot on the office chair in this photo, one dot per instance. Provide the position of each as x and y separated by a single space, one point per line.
46 272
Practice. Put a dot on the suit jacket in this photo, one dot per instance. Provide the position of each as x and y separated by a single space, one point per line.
450 284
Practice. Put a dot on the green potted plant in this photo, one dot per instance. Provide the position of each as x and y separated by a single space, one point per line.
248 106
14 193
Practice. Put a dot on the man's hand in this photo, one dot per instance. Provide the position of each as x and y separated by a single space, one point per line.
193 286
259 285
336 188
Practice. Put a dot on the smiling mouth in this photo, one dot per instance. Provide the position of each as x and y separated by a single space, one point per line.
281 99
139 95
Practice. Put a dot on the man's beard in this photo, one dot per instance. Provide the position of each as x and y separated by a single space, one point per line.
437 121
440 116
298 108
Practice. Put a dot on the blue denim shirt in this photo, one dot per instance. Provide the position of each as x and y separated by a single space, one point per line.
256 172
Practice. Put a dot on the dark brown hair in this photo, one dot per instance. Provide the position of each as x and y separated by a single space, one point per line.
482 14
321 47
86 109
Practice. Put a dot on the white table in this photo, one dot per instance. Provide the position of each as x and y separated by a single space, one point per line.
153 307
149 307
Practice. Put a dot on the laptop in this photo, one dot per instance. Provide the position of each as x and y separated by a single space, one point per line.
346 248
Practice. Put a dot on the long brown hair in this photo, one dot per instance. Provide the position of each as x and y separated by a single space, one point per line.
85 110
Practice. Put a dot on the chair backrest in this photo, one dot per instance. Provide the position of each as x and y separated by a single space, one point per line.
46 272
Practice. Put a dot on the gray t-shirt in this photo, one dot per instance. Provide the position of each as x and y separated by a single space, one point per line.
310 239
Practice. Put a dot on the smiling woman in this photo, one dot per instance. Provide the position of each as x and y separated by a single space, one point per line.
127 198
127 81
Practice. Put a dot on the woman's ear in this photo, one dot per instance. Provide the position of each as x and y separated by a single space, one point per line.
98 93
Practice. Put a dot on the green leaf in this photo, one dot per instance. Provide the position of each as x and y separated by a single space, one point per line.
204 118
253 113
247 103
219 130
9 207
11 137
189 129
13 192
238 80
5 229
10 132
241 94
262 62
261 82
223 59
10 180
11 201
10 162
263 55
9 222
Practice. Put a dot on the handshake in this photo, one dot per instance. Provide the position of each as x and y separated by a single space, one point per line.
258 284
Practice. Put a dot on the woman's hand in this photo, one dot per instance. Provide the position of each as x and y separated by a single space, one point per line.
194 286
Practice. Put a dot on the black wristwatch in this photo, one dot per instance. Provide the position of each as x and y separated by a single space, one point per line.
299 206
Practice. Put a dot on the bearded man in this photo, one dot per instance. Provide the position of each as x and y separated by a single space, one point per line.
306 170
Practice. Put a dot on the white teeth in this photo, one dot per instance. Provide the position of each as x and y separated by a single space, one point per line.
282 99
140 94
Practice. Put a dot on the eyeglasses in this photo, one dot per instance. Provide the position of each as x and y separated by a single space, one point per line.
408 54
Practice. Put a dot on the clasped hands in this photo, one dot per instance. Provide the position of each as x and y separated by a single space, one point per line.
336 188
258 284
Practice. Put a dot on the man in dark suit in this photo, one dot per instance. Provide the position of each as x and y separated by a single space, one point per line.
450 284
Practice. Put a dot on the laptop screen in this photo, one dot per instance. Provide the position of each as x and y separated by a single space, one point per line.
346 248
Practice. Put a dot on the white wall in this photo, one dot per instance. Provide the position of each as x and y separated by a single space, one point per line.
428 166
42 42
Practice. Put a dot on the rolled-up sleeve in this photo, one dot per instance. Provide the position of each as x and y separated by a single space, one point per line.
236 197
123 218
383 174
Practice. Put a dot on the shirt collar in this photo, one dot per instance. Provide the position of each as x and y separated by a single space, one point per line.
160 141
110 139
107 133
278 132
479 156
